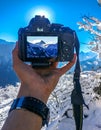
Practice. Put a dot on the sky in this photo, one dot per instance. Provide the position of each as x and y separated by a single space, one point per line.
17 13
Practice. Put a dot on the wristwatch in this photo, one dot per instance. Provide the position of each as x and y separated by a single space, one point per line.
34 105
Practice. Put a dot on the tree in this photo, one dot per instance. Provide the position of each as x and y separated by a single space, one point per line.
93 26
99 2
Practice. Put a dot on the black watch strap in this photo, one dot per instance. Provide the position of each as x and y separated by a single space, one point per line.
34 105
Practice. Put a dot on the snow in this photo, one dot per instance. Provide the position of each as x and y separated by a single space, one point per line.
59 102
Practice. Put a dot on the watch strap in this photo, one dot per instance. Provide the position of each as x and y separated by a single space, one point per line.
34 105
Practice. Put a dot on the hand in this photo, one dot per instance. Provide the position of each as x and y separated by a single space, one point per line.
38 83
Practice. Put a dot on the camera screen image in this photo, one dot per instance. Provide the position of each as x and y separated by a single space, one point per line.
42 46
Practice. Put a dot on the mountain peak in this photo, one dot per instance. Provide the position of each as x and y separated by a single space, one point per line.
42 42
2 41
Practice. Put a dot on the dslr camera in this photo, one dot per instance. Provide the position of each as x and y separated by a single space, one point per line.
43 43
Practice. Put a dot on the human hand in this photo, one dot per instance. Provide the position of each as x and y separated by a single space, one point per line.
38 83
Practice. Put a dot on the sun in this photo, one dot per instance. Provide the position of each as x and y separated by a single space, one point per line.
42 11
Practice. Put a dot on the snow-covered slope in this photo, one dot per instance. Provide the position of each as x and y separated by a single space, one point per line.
61 102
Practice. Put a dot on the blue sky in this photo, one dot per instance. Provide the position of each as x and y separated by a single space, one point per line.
17 13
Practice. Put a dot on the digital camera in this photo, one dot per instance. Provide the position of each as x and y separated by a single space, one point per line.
43 43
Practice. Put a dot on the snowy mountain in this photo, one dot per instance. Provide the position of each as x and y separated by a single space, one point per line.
41 49
87 55
88 61
7 75
5 50
5 42
41 43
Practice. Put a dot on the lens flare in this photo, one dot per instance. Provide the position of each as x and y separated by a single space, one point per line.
42 11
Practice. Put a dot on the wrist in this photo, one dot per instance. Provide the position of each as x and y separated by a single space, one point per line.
26 91
23 120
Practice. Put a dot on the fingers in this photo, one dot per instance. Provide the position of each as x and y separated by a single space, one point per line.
16 59
17 62
23 70
18 65
65 68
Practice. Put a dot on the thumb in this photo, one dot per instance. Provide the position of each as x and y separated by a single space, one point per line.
65 68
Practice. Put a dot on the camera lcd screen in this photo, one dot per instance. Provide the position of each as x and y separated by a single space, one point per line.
42 46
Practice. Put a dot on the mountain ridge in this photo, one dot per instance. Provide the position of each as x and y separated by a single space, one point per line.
2 41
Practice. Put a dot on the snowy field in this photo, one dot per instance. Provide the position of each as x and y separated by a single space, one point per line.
59 102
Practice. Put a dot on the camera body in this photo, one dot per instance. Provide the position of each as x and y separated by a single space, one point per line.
43 43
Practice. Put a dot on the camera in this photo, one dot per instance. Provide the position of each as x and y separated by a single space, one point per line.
43 43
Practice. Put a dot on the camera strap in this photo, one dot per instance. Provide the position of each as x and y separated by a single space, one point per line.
76 96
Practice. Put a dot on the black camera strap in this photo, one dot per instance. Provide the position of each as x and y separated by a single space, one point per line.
76 96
